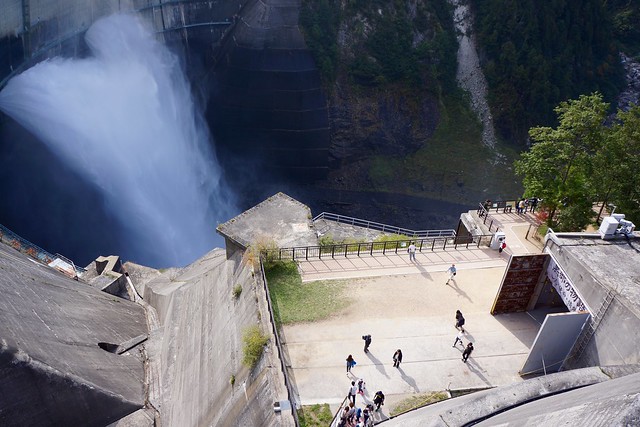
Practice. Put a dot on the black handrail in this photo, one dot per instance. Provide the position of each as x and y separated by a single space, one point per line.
370 248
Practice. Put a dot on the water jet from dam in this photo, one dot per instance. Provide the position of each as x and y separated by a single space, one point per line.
124 119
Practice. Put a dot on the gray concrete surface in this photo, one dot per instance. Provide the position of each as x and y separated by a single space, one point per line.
279 218
599 268
413 312
193 356
522 407
53 371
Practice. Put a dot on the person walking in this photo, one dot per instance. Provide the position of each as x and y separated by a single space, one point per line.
378 399
459 320
459 338
467 352
534 204
397 358
412 252
350 363
367 342
352 392
452 272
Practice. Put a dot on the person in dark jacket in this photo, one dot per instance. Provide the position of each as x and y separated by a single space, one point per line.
397 358
467 352
459 320
378 399
367 342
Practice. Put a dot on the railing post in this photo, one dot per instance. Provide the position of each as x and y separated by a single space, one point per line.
346 249
421 242
384 248
333 250
306 254
359 248
371 249
433 244
444 247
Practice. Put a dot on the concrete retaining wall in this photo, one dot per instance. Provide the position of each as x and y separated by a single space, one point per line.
200 347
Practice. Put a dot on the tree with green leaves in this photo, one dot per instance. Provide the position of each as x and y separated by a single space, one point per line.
560 164
616 176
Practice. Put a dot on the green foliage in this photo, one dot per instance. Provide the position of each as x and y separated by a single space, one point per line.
320 21
616 172
384 42
237 290
253 345
315 415
540 53
232 380
625 18
558 165
417 401
294 301
582 161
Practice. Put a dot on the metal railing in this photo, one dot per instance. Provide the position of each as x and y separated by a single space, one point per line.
34 251
26 247
484 214
336 417
274 328
328 216
371 248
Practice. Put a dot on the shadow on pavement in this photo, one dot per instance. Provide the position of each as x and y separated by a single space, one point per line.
409 380
423 271
456 288
475 368
378 364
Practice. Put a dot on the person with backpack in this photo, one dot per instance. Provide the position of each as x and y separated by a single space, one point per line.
350 363
378 399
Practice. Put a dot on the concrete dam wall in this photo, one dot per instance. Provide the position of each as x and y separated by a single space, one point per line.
197 374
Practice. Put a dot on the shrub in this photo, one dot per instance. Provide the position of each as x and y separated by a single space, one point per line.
237 290
259 247
253 345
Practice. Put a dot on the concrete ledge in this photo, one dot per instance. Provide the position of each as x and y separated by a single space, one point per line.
473 407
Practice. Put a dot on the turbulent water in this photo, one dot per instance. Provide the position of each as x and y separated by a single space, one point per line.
125 121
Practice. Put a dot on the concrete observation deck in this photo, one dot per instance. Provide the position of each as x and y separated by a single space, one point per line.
408 305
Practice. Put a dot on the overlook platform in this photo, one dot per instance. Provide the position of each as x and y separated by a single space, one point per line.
408 305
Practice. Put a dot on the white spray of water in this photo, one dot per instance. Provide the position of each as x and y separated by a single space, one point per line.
124 118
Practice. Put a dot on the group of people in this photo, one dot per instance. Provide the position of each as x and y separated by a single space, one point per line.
354 416
525 205
460 321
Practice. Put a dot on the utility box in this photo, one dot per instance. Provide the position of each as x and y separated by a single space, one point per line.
497 240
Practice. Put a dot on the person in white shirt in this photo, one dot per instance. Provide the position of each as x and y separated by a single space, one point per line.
452 272
412 252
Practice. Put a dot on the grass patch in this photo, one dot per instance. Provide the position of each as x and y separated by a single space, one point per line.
294 301
542 229
253 345
417 401
315 415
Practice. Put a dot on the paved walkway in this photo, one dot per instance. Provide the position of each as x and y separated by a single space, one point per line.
407 305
